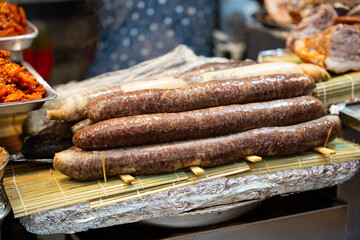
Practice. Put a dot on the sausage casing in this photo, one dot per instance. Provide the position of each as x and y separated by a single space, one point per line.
198 96
168 157
208 122
80 125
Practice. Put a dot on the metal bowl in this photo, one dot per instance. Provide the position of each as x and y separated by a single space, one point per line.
20 42
203 218
261 17
5 206
31 105
277 55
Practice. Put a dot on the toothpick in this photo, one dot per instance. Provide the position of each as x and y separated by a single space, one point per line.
103 166
327 139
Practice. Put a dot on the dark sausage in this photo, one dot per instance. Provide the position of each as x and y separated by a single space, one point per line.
54 138
208 122
204 95
268 141
39 148
57 129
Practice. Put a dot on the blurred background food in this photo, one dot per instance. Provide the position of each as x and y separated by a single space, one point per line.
83 38
12 20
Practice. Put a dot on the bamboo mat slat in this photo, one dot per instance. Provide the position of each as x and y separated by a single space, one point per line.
33 188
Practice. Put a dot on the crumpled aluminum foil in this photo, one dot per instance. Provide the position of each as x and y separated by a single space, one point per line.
217 195
336 108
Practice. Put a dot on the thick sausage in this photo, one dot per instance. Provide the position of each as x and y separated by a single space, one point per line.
55 130
208 122
268 141
72 108
204 95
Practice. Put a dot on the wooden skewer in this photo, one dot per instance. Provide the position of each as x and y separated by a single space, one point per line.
127 178
197 170
103 167
325 150
327 138
253 158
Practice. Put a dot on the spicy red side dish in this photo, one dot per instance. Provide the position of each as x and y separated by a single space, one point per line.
12 20
17 84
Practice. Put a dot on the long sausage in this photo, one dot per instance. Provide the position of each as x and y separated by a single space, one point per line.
268 141
72 108
208 122
204 95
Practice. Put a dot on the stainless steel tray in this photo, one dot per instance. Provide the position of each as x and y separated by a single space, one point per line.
27 106
350 116
20 42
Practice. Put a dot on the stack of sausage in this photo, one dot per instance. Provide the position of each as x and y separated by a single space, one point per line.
217 121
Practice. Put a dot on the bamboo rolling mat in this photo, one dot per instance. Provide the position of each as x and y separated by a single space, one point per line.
340 88
33 188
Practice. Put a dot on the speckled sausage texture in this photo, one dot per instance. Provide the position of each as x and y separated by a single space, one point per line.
198 96
208 122
168 157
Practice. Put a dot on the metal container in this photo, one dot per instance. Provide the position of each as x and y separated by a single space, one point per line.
350 116
277 55
262 17
5 206
31 105
20 42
